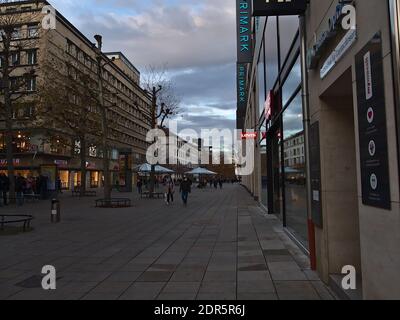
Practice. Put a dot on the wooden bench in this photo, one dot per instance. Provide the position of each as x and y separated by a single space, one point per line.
113 203
157 195
32 197
16 219
77 193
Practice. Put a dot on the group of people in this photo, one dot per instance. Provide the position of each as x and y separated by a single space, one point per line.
216 182
23 186
185 188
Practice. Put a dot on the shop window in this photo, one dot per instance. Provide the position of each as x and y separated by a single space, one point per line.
271 53
288 28
264 167
292 83
295 169
261 80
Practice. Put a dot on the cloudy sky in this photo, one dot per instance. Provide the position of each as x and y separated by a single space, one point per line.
196 38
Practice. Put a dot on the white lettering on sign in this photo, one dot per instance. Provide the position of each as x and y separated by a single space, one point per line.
249 135
368 76
345 44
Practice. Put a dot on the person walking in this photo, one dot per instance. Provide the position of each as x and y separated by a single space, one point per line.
139 186
185 189
1 191
5 188
29 185
59 185
19 190
170 190
221 183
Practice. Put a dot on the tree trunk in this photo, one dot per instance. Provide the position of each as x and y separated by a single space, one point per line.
154 126
8 120
83 167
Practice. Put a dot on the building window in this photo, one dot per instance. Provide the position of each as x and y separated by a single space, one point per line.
33 31
16 34
32 57
31 84
70 47
15 59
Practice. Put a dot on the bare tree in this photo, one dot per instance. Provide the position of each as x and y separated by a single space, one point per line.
19 35
68 101
168 100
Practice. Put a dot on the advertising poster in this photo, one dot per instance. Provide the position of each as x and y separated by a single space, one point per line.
50 172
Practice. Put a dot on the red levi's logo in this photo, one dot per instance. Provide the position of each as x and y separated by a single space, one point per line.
249 135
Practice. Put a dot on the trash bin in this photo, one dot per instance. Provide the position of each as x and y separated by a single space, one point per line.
55 211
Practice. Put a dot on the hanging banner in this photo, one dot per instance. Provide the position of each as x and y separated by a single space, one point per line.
372 125
278 7
243 23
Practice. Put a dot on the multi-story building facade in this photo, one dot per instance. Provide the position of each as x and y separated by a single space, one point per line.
128 105
338 86
294 155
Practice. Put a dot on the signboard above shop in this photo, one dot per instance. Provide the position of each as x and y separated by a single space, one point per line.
278 7
249 135
244 32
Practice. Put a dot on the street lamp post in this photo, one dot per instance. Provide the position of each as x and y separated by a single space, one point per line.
153 126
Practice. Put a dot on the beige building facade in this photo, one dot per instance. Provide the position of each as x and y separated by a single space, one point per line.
128 105
353 216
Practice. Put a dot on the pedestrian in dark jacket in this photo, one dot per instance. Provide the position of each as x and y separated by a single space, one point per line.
20 185
5 181
185 189
1 191
139 186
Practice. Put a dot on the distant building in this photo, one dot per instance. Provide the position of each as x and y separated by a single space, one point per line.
294 151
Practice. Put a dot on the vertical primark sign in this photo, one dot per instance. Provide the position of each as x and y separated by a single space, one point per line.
243 22
244 54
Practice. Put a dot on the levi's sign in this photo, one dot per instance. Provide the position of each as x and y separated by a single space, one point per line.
249 135
279 7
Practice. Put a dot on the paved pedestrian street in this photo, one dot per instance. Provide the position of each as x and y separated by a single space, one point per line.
221 247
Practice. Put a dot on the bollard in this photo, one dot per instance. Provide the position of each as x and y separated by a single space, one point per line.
55 211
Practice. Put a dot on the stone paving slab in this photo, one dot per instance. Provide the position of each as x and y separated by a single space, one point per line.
222 246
